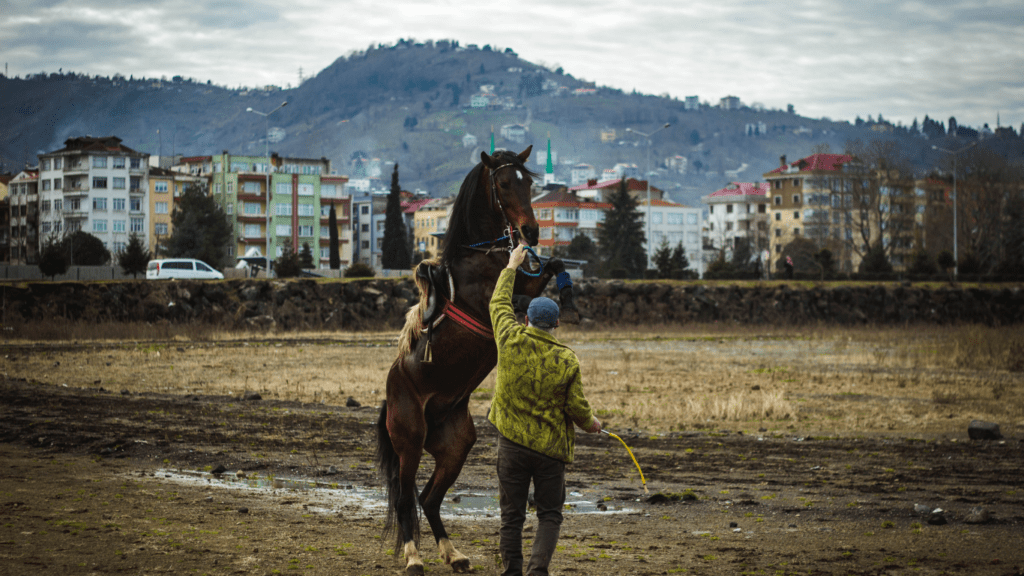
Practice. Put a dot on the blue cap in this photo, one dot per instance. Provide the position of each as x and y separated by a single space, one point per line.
543 312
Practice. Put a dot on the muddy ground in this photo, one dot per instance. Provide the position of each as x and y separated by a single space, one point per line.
85 488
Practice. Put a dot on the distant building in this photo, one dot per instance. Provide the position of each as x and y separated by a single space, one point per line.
691 103
514 132
165 187
580 173
738 212
23 202
469 141
729 103
97 185
430 222
677 163
608 136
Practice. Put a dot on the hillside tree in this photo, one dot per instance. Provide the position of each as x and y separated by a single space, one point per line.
396 254
54 257
201 228
621 237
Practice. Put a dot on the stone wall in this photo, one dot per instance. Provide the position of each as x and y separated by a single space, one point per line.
381 303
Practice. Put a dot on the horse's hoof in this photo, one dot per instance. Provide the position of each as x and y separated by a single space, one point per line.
414 570
461 566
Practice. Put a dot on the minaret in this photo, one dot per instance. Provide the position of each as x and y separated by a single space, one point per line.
492 140
549 168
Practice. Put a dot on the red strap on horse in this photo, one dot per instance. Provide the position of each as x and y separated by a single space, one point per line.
466 321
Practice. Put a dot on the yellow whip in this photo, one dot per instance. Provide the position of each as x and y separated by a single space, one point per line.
631 456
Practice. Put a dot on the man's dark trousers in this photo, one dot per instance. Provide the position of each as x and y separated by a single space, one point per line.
517 465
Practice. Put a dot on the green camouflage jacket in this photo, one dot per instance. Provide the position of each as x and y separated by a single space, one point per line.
539 394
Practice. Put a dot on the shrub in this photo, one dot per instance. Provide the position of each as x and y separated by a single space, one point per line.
360 270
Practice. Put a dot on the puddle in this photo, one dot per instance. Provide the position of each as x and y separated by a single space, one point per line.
330 497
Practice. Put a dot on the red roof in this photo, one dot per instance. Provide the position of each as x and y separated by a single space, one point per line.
631 184
89 143
742 189
413 205
819 162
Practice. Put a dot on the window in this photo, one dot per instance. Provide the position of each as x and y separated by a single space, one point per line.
778 248
328 191
44 206
118 183
251 208
216 188
99 204
307 210
57 227
796 215
545 214
325 211
99 161
796 198
160 186
138 224
58 205
46 185
796 182
380 225
118 162
45 164
675 219
545 233
284 209
762 208
305 189
58 163
119 225
135 204
728 208
656 217
691 219
796 231
365 244
380 243
778 200
778 232
252 230
364 209
135 163
99 225
56 183
778 216
285 188
44 228
280 251
136 184
160 229
284 229
99 182
325 231
325 252
305 231
711 209
728 226
364 228
160 208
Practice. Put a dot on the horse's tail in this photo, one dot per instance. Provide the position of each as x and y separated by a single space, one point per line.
388 467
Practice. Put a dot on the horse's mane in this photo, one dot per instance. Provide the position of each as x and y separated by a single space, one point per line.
462 215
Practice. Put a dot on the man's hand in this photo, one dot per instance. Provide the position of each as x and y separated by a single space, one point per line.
595 427
515 259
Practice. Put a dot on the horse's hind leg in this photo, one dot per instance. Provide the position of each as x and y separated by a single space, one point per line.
407 428
449 443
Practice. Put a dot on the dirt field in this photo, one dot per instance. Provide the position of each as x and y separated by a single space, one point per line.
779 453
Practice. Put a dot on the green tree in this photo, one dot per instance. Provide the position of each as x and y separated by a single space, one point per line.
875 261
359 270
581 248
679 260
802 251
621 237
288 264
396 253
335 253
922 263
86 249
134 258
54 257
306 257
663 260
201 228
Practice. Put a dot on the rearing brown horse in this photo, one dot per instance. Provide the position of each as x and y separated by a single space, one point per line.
427 402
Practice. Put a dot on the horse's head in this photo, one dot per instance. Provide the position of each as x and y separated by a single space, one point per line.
510 183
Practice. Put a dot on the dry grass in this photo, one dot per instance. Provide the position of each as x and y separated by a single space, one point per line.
827 380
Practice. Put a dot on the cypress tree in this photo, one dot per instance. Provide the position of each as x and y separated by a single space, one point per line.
335 254
396 254
621 237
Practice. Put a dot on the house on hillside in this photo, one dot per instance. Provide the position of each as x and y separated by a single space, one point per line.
469 141
737 213
514 132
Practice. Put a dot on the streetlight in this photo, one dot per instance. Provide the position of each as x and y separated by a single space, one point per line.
956 258
266 117
649 144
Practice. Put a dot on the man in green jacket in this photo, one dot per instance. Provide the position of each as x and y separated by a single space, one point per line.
537 399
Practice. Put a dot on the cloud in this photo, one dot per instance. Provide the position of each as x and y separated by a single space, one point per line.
828 58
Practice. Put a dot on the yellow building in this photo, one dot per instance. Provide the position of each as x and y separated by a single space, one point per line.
428 222
164 187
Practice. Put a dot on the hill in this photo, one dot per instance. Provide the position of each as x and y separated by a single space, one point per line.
411 103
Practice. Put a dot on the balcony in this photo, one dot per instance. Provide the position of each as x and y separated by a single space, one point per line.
137 190
252 197
252 218
77 168
76 190
76 213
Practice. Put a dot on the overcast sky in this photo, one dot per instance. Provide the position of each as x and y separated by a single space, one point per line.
900 58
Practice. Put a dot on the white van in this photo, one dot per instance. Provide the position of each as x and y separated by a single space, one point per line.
181 268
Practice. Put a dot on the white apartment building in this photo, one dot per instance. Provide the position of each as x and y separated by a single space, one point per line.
96 185
738 211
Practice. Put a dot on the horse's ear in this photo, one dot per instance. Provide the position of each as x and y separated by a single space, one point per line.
487 160
525 154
